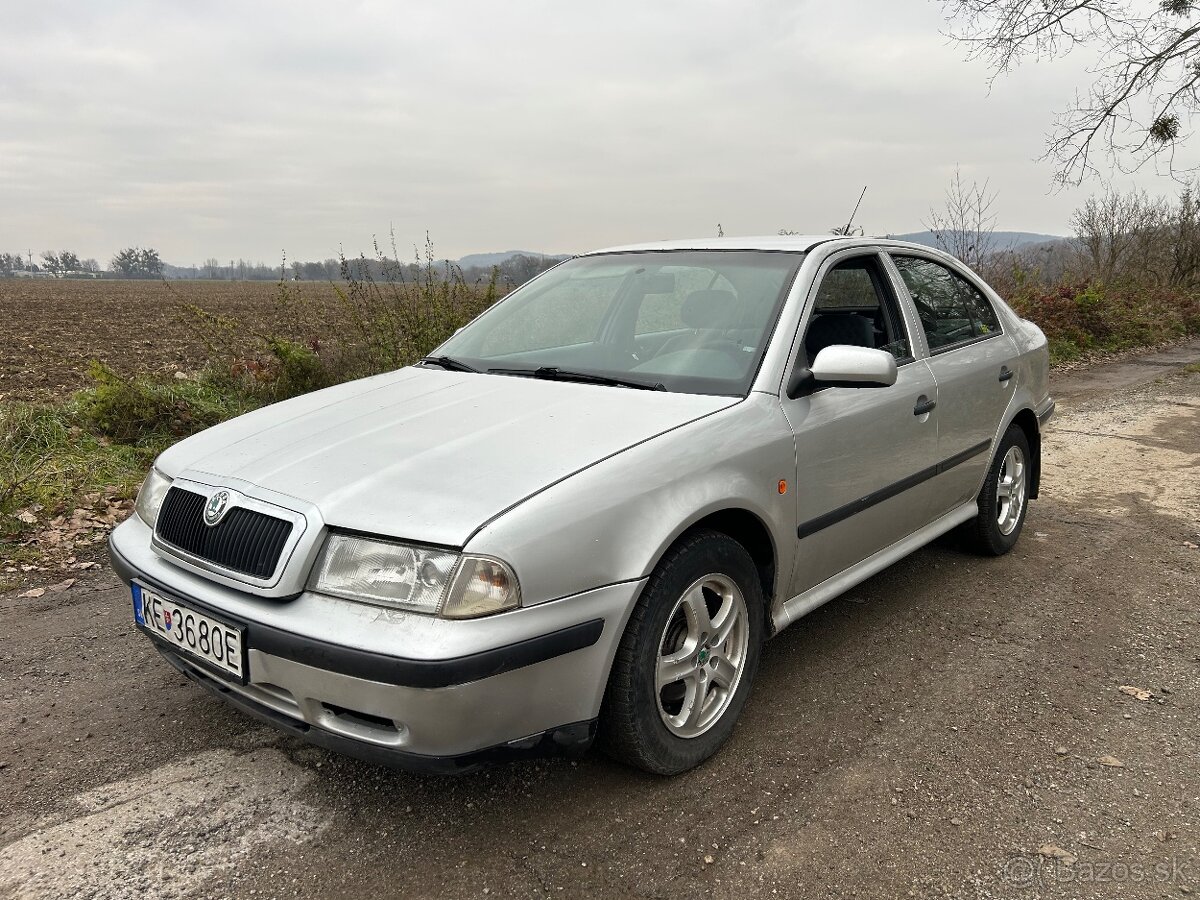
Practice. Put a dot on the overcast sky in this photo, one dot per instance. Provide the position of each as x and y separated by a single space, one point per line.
234 129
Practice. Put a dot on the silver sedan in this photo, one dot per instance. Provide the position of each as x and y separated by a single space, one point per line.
580 518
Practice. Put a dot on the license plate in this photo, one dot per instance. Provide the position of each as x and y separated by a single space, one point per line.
197 635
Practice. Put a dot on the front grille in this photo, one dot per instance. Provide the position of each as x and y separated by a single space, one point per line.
245 541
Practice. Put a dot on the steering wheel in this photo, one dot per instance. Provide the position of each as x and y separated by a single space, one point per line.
723 344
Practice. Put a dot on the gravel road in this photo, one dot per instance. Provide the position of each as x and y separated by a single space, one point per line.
954 727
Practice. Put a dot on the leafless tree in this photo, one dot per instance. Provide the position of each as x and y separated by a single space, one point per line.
1184 241
1120 236
965 226
1145 86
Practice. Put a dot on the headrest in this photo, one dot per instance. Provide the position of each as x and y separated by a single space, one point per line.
708 309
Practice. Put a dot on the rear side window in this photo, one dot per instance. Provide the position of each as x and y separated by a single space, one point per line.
952 310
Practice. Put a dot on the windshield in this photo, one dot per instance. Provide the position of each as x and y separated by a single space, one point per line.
691 321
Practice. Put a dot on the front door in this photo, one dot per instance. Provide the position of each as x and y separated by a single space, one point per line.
859 448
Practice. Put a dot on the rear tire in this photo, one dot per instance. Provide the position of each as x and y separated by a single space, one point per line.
1004 499
687 659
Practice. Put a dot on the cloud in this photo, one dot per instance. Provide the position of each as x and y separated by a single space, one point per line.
226 129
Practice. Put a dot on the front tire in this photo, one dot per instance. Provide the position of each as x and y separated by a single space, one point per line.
1004 499
689 654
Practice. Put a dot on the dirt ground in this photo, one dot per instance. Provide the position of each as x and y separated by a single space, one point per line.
954 727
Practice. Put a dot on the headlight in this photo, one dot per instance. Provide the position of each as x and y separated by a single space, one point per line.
150 496
420 579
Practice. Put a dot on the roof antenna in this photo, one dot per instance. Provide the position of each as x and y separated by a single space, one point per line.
848 228
720 230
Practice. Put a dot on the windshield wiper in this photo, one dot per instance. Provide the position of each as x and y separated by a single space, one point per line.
449 363
554 373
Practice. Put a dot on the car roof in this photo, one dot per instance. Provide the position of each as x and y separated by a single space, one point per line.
795 243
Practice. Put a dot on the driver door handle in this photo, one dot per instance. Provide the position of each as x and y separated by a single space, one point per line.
924 405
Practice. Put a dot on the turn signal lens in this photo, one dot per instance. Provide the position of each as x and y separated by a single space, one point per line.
482 586
782 486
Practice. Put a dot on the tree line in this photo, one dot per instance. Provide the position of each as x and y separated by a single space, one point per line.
132 262
139 262
64 263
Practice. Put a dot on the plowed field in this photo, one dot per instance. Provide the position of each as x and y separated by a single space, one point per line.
51 328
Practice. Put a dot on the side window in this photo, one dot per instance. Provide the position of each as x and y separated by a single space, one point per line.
952 310
854 305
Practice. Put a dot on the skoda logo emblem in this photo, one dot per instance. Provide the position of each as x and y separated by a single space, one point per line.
214 509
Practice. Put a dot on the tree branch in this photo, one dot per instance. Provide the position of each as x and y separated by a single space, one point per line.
1144 91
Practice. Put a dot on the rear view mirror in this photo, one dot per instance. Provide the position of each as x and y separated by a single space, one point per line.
844 366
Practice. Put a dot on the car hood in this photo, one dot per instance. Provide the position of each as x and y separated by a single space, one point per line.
429 455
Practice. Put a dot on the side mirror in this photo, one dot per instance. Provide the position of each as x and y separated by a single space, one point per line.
844 366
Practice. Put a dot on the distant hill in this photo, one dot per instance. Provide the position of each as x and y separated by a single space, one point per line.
487 260
1001 240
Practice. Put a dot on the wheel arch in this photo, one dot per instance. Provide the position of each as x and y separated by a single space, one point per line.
1027 421
749 530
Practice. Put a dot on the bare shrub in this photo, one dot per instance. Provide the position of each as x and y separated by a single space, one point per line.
384 315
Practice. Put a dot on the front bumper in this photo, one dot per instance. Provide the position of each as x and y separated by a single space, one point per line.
400 688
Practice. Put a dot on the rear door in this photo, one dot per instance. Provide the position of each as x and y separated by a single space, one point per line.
859 448
972 360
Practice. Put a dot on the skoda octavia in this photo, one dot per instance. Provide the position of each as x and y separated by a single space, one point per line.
580 517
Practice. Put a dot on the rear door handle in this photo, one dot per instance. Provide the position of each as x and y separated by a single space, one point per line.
924 405
1005 374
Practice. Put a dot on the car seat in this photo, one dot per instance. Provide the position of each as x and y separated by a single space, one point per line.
838 328
709 313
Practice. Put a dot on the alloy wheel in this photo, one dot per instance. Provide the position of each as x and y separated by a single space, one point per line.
702 654
1010 490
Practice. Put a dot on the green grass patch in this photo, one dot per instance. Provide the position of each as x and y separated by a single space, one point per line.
47 460
103 438
140 411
